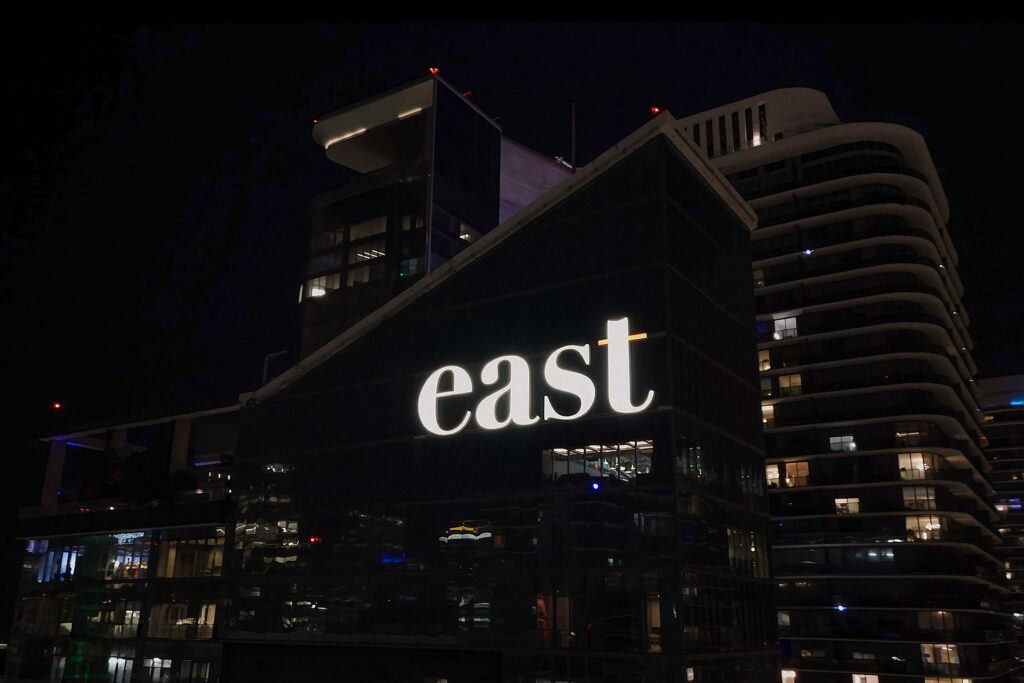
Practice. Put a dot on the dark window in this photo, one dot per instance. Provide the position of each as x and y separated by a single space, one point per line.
721 135
696 134
748 119
762 122
735 131
709 138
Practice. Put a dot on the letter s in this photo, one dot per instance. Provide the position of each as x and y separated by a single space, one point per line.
575 383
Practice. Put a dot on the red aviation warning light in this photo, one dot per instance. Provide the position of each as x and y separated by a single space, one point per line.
655 110
433 70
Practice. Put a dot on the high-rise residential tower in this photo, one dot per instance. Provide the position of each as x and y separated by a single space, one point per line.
884 537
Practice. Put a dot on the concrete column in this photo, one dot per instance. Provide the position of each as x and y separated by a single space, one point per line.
51 480
179 445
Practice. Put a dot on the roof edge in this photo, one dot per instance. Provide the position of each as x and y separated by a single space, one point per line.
663 124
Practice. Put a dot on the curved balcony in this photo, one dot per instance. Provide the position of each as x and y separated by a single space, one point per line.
864 222
868 402
870 280
888 370
852 313
845 256
848 167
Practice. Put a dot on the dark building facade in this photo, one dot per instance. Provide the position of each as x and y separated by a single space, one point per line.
542 462
537 458
1002 400
123 557
885 543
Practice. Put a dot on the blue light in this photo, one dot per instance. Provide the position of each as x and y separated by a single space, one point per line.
595 486
840 608
74 443
388 558
808 252
1017 401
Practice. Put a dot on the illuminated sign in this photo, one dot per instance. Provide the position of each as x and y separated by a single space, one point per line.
516 393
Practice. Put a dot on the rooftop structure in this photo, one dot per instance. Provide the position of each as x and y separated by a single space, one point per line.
429 174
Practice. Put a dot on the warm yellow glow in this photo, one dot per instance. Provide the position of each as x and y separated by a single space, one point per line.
632 337
346 136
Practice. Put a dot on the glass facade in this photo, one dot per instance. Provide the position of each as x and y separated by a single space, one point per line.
556 535
605 546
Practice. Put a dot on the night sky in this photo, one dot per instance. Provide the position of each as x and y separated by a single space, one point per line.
159 176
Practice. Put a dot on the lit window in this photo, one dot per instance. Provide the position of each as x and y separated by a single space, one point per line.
847 506
467 233
319 286
911 433
764 360
409 222
119 669
924 528
1008 504
368 228
771 475
783 617
798 473
919 497
842 443
916 465
939 657
784 327
759 277
156 669
367 251
790 385
940 620
863 678
622 461
326 240
768 415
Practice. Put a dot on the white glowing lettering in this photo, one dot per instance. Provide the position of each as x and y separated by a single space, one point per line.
431 392
517 390
618 369
511 404
576 383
